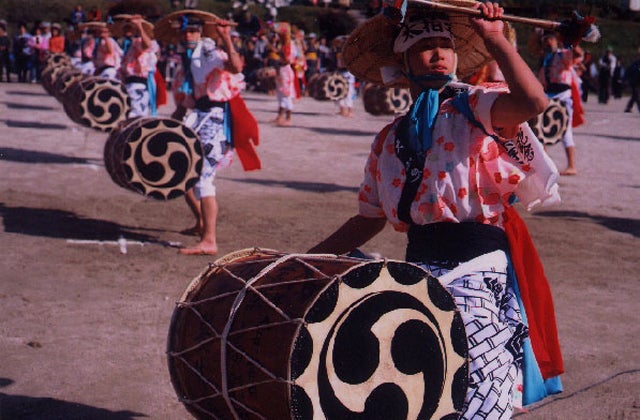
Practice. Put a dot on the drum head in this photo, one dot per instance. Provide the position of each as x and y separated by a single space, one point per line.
550 126
157 157
97 103
266 335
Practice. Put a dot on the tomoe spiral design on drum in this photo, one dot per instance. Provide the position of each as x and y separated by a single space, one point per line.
551 125
97 103
162 157
157 157
384 354
105 103
262 334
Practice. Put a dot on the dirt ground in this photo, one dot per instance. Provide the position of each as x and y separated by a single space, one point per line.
83 326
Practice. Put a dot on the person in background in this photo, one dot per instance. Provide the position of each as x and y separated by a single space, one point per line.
632 77
22 52
77 16
311 56
57 40
209 82
325 55
248 23
107 54
46 30
606 64
286 77
85 53
300 63
557 76
583 70
94 15
5 52
617 79
138 67
346 103
39 52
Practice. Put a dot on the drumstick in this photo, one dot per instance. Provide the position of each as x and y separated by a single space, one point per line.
542 23
218 23
573 29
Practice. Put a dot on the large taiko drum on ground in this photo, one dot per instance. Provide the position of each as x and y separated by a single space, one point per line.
65 79
265 335
551 125
330 86
50 74
380 100
58 59
97 102
266 77
157 157
312 85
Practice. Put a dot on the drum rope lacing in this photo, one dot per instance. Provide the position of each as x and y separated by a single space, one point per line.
234 308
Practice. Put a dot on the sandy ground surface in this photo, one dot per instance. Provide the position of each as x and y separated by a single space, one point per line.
83 327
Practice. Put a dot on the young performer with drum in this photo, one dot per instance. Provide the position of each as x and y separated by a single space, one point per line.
138 66
557 76
209 82
446 174
107 54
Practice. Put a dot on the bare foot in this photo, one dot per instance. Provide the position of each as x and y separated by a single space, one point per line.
285 123
199 249
569 171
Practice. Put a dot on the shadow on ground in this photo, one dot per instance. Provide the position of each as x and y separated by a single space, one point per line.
32 156
63 224
298 185
21 407
34 125
631 226
16 105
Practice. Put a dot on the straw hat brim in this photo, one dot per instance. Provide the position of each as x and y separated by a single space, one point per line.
121 21
370 46
92 26
168 30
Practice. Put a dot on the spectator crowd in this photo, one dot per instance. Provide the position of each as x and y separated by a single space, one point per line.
25 46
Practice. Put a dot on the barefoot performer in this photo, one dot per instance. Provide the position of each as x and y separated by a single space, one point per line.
446 174
209 82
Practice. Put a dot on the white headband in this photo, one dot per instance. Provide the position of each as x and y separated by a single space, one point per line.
416 30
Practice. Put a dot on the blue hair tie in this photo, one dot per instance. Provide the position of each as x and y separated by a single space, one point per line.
185 22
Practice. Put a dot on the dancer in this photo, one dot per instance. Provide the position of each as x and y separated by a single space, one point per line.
139 65
286 77
561 82
445 174
107 54
209 81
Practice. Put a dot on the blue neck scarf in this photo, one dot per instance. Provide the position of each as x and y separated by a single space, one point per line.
125 45
423 112
187 85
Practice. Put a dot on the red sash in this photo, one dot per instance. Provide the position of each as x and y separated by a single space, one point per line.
578 110
535 294
246 135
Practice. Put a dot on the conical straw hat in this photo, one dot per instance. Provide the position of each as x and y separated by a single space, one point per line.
370 47
121 21
170 28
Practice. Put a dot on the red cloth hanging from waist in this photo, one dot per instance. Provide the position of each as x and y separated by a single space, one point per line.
245 132
536 295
